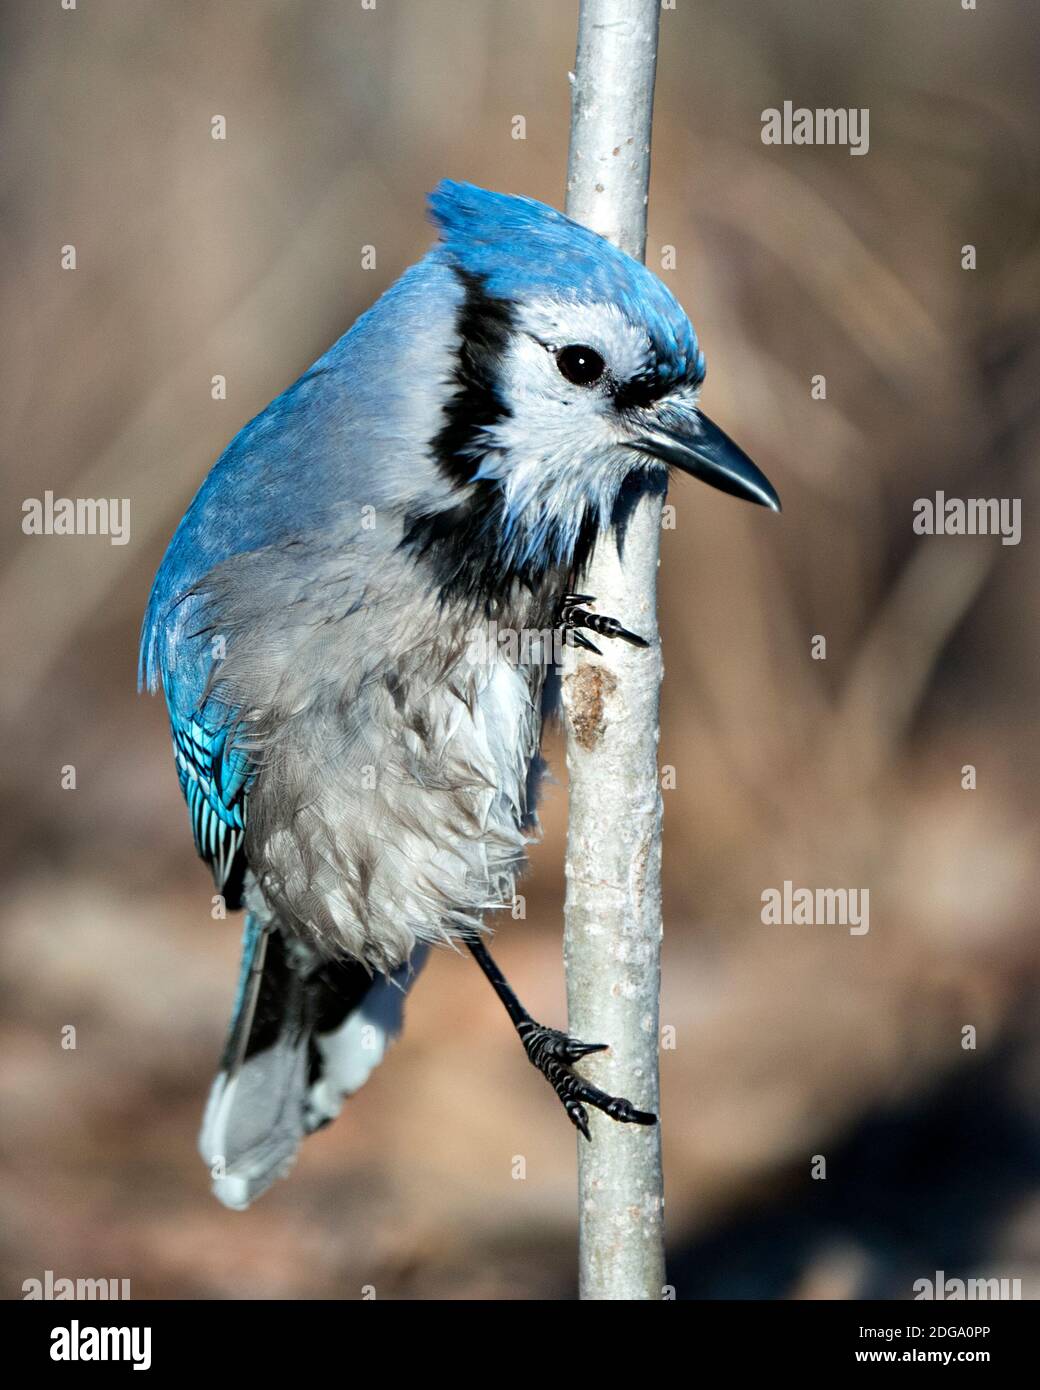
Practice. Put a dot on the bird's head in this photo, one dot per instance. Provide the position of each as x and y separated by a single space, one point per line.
574 368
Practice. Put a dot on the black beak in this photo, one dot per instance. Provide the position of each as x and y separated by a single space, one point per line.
708 454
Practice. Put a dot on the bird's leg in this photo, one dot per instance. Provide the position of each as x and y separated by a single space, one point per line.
554 1054
574 617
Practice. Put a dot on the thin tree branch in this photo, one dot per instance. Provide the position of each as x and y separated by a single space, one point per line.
613 912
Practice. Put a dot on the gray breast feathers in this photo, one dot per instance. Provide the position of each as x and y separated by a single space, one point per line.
394 751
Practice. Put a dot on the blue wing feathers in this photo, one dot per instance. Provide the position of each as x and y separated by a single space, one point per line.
214 778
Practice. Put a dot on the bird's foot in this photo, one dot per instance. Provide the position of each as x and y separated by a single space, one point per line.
574 616
554 1053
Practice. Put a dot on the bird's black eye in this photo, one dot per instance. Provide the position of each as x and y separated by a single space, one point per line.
579 364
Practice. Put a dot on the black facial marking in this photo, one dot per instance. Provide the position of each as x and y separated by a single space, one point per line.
470 561
484 325
652 384
464 545
641 390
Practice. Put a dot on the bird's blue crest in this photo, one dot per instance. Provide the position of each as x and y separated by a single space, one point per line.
520 248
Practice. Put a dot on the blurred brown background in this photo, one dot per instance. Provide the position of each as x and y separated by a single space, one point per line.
243 258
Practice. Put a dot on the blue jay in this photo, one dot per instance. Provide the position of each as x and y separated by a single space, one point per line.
361 775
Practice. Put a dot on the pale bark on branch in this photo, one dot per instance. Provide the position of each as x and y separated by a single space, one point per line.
613 910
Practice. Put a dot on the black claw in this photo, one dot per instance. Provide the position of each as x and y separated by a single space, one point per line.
626 1112
545 1045
579 1118
610 627
580 640
632 637
615 1106
573 617
554 1053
